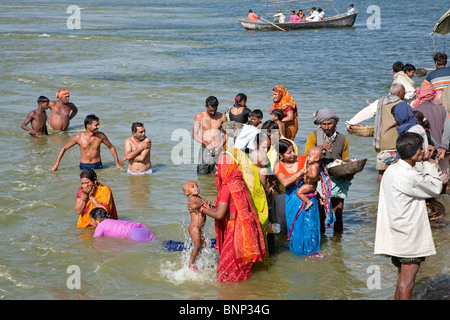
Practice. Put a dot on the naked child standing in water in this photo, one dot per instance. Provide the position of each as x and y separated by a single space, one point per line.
62 111
210 122
192 191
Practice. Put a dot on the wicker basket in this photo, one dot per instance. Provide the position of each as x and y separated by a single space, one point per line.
363 131
349 167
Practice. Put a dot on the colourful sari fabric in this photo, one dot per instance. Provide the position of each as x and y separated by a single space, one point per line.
250 174
304 225
104 196
239 238
285 102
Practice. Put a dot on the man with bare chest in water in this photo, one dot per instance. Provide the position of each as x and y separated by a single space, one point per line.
210 122
137 151
62 111
89 142
38 119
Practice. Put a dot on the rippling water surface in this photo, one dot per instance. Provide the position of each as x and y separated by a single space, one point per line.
156 62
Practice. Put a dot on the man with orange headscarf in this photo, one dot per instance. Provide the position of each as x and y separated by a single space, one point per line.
62 111
239 237
284 101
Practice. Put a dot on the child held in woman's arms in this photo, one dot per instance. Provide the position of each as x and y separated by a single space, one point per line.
192 191
104 226
311 175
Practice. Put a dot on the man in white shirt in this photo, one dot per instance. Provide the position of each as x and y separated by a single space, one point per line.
401 77
403 229
279 17
313 15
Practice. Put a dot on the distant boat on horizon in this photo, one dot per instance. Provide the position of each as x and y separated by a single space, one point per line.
342 20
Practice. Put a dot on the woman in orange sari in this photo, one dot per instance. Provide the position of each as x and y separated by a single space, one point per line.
284 101
92 195
239 238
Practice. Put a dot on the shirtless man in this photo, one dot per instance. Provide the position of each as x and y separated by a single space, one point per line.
89 142
61 111
137 151
38 119
210 122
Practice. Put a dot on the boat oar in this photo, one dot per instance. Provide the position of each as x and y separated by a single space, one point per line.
272 24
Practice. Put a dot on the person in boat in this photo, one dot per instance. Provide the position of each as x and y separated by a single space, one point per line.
301 15
279 17
351 9
253 16
293 18
321 13
313 15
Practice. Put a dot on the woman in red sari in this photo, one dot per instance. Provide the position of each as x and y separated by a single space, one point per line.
239 238
283 100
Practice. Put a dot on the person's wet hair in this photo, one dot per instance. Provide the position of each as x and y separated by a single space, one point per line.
212 101
89 174
99 213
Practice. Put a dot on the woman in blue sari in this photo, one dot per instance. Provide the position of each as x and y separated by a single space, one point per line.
303 226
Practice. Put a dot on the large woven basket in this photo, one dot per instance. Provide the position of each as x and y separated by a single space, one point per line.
363 131
348 167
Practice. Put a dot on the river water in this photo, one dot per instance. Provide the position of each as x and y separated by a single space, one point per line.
156 62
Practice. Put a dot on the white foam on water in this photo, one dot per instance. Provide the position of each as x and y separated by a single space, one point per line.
178 271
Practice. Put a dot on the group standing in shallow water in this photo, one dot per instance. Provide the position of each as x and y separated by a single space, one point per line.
260 176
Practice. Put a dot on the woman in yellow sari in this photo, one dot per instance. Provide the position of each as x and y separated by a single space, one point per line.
284 101
92 195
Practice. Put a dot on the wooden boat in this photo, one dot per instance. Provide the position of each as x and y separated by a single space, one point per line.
338 21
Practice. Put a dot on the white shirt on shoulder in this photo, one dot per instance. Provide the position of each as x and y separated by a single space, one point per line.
403 227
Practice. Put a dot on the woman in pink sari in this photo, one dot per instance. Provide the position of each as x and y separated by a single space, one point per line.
239 238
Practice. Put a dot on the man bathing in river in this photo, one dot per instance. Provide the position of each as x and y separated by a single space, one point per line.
38 119
62 111
210 122
89 142
137 151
